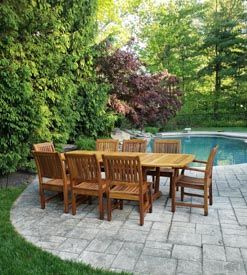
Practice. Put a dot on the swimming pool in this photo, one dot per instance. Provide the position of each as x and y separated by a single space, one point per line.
231 150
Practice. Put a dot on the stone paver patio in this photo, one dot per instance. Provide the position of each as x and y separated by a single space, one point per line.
185 242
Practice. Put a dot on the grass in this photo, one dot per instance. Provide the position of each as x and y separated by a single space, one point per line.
17 256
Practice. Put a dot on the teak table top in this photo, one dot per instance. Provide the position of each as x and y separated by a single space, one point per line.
148 159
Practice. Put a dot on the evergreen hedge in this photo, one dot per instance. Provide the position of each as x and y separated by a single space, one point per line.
49 89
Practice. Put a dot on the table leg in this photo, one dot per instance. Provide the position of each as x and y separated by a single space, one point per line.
157 193
176 173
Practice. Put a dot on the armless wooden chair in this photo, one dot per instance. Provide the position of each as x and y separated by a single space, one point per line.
134 145
125 182
51 167
44 147
204 184
85 178
169 146
107 145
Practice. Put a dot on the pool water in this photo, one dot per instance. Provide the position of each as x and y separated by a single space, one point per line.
231 151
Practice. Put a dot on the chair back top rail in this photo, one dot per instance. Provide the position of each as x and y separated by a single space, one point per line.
134 145
107 145
44 147
167 146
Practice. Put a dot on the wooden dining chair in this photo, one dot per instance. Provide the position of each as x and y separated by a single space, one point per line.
125 182
85 178
44 147
204 184
107 145
134 145
168 146
52 176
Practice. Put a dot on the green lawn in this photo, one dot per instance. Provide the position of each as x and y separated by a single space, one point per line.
20 257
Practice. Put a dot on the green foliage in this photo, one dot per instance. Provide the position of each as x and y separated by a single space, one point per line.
92 99
152 130
170 31
49 89
116 19
207 120
225 46
18 117
86 143
203 43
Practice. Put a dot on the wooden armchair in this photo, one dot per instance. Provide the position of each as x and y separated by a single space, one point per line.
85 178
125 182
134 145
169 146
204 184
44 147
107 145
51 167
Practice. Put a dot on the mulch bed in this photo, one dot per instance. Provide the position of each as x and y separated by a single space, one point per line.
17 178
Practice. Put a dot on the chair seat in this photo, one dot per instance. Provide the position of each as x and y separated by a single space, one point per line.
56 182
131 190
89 186
190 181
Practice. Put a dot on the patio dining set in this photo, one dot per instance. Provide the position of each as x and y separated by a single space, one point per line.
116 176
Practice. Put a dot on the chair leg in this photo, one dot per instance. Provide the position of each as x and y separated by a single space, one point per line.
42 198
210 194
150 197
101 207
141 207
170 191
205 200
173 198
121 204
109 208
66 201
89 200
61 196
73 203
182 193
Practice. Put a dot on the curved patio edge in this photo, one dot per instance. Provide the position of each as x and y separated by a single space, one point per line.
167 243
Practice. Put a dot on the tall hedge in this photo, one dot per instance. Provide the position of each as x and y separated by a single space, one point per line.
48 86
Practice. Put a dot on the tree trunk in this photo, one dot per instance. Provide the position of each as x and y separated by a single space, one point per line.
217 84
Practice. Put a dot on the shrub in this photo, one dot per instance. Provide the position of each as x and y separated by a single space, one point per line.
86 143
152 130
48 86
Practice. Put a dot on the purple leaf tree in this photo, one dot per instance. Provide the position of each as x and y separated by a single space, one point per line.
144 98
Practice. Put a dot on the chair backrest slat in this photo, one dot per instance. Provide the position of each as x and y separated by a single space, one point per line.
210 162
170 146
121 170
49 164
107 145
44 147
83 167
134 145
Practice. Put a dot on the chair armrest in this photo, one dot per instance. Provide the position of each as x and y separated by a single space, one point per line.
194 169
200 161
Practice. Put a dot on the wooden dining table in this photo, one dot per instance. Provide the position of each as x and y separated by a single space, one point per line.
149 160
